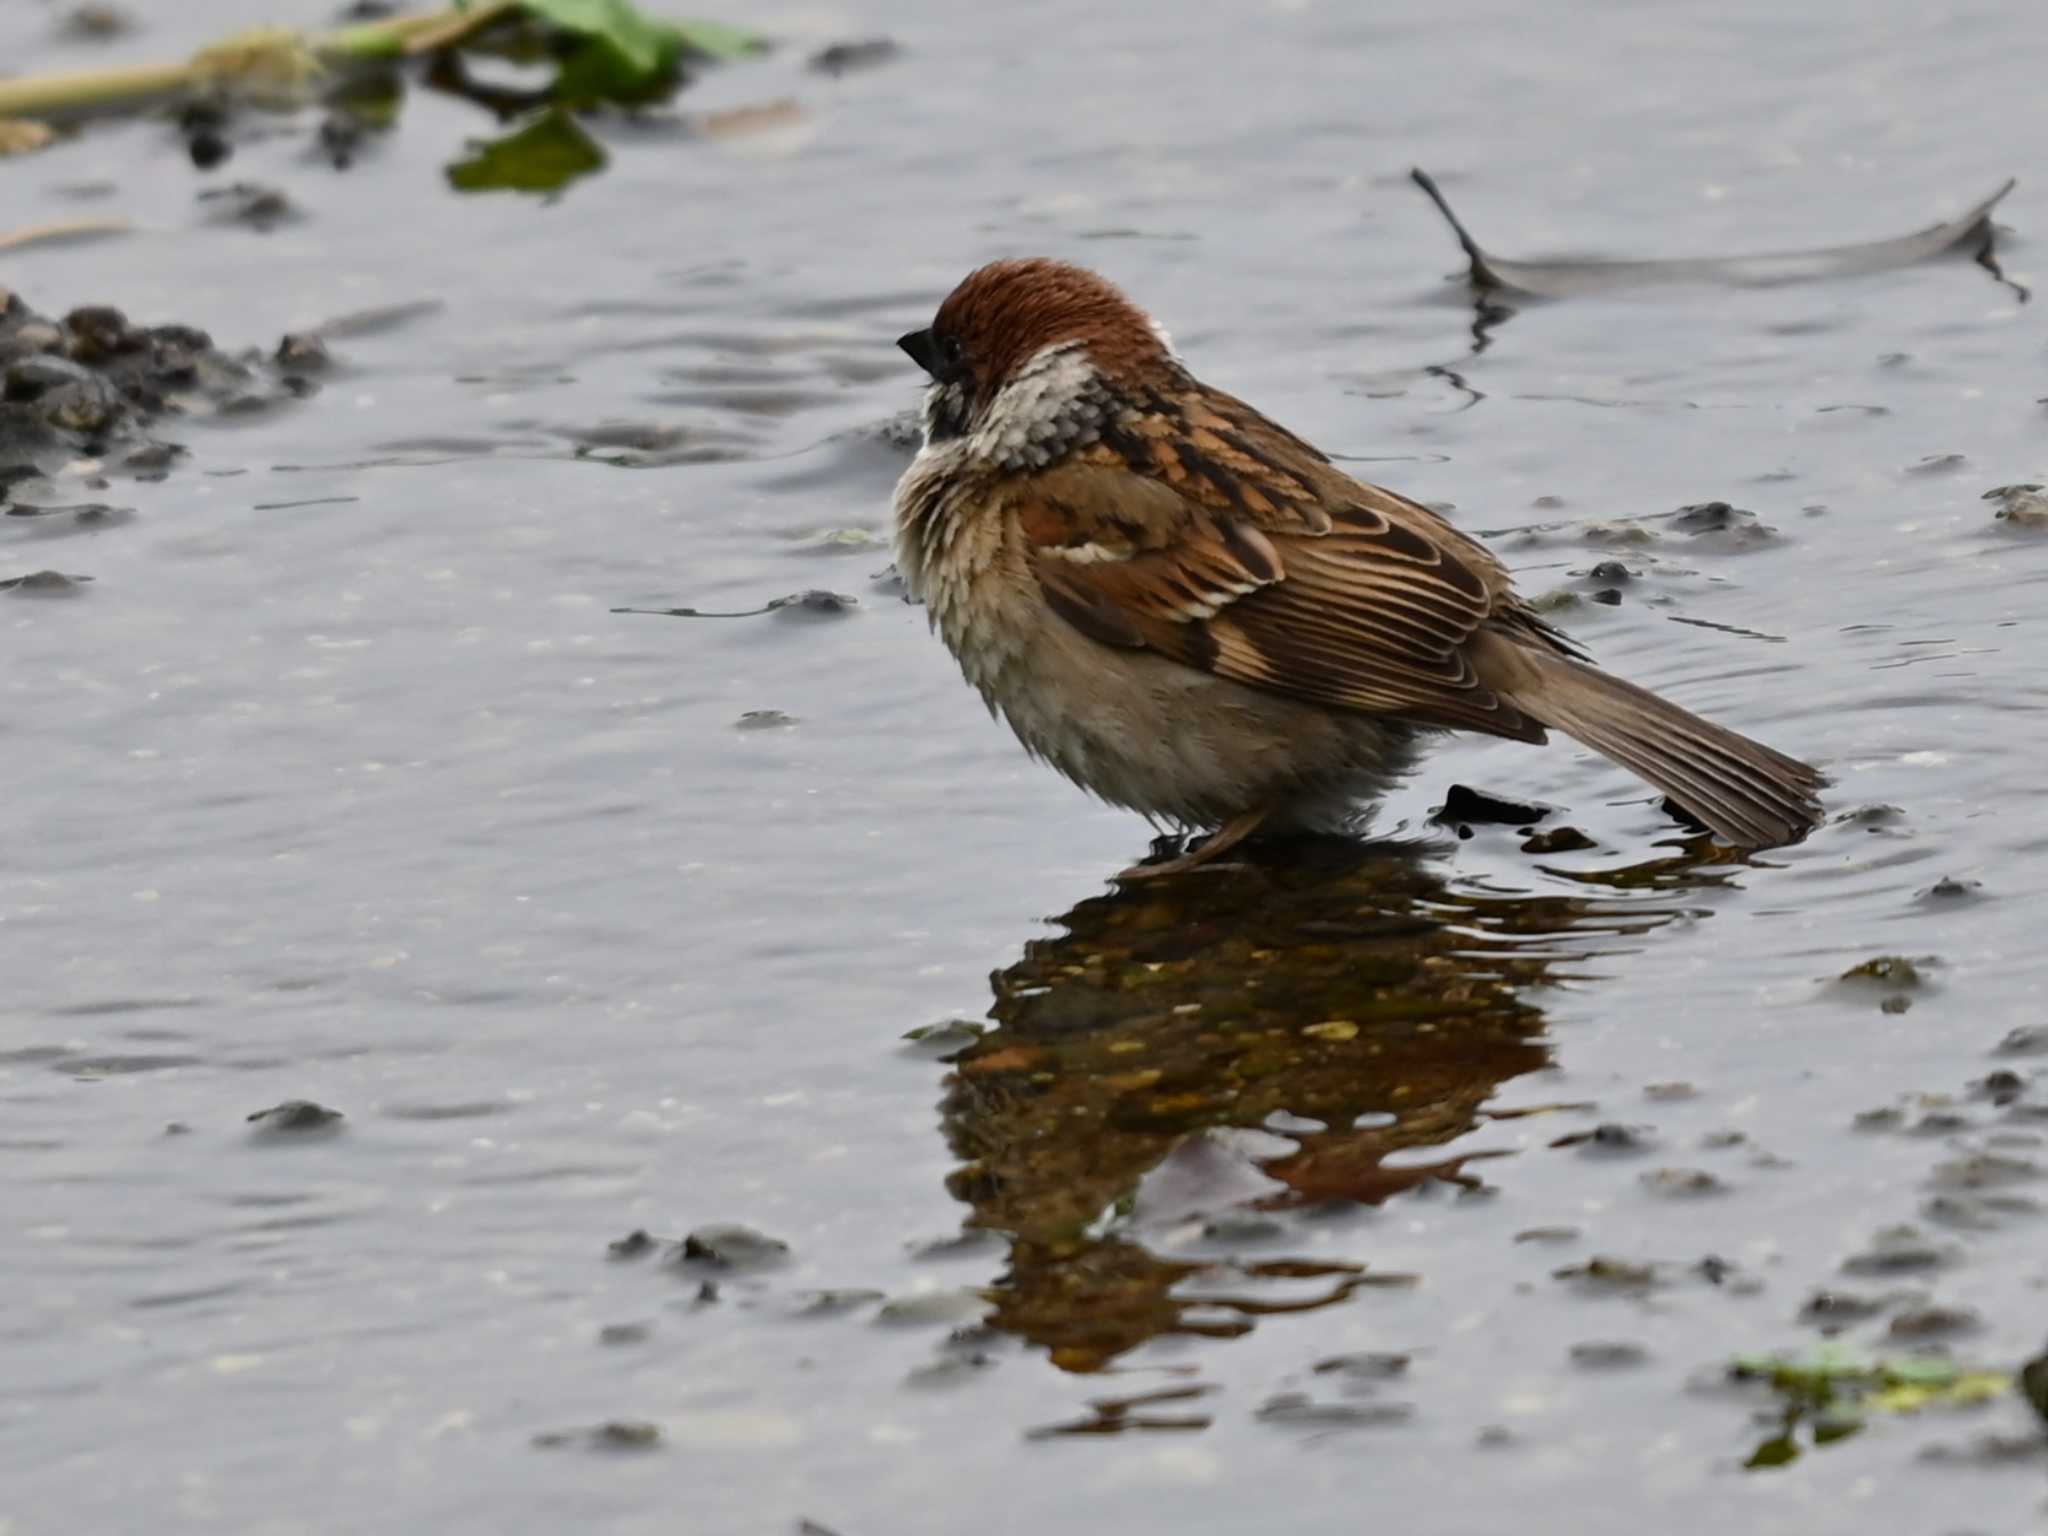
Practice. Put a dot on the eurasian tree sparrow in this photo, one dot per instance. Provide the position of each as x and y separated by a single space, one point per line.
1191 612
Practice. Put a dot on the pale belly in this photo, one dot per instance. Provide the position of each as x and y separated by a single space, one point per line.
1172 742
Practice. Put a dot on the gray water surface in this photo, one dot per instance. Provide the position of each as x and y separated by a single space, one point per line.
341 781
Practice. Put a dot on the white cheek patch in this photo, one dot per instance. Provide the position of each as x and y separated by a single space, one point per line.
1052 404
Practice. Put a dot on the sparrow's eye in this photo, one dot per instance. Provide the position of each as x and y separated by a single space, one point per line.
952 356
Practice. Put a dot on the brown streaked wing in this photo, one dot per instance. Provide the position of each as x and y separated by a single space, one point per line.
1129 562
1357 600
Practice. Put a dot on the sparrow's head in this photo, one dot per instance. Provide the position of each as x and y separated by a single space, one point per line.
1027 354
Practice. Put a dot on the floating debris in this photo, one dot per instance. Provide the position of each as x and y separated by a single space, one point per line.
832 1303
24 136
1465 807
1375 1365
1901 1250
1603 1275
1571 277
295 1117
945 1037
1611 1137
262 208
1608 1355
1922 1323
845 58
1558 840
1938 464
935 1308
1835 1310
633 1245
815 602
1831 1393
728 1245
544 156
1670 1093
1682 1183
1950 889
612 1435
1115 1415
44 584
1300 1410
1892 972
302 352
2023 506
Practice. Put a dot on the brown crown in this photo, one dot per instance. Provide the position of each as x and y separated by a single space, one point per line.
1004 313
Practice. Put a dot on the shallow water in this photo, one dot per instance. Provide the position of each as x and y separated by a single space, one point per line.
340 781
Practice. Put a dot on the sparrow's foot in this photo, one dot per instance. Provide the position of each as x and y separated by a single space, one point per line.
1222 840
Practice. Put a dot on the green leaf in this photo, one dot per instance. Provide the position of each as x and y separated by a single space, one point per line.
592 72
642 47
544 156
716 40
1774 1452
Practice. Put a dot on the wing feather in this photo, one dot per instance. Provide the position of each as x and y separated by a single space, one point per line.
1228 544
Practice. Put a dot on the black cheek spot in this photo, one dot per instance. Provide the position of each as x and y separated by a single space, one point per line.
947 414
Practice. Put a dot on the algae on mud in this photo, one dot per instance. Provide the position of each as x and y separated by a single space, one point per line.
1343 987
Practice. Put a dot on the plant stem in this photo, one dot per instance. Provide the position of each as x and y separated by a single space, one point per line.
259 57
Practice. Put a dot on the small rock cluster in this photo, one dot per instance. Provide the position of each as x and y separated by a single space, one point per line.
88 385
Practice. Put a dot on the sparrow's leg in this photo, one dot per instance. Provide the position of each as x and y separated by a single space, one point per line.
1222 840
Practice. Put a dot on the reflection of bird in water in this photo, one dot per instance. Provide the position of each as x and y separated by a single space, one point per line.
1349 987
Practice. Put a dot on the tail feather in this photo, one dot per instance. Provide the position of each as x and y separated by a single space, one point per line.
1743 791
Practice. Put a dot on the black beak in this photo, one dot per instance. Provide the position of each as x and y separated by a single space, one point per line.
919 345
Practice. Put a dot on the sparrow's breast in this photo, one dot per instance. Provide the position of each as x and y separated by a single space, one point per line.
1137 729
